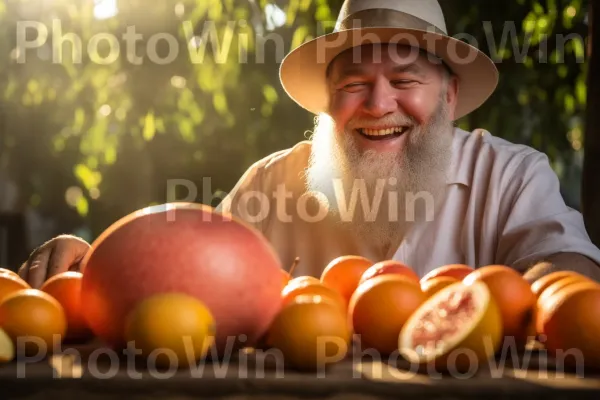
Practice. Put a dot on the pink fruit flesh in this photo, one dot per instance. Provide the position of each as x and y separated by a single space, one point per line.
443 321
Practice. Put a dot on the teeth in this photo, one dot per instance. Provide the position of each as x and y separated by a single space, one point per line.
382 132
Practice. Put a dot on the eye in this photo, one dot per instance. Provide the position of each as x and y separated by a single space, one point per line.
353 86
403 82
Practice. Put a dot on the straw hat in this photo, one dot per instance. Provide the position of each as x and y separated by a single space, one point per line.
419 23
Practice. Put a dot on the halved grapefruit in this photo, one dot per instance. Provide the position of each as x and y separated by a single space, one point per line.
456 327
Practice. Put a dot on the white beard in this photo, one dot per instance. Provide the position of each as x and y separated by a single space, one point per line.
380 195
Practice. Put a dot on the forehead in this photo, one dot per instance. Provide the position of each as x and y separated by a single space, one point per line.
368 57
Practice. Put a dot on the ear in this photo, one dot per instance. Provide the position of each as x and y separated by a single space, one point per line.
452 94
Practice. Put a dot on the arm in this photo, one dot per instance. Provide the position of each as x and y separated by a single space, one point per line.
538 233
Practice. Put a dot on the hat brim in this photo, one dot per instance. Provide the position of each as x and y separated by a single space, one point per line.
303 70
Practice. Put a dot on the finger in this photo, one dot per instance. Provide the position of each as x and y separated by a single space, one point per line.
22 272
38 267
64 256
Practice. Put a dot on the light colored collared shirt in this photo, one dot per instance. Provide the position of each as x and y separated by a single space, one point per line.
502 206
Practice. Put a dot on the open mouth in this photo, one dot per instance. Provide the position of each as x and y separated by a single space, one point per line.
382 134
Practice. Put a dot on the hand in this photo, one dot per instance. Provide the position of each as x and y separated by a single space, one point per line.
63 253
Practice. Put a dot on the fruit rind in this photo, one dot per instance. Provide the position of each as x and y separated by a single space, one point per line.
541 284
482 339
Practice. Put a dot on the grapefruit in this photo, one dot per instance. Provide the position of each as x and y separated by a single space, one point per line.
459 325
10 272
542 283
434 285
555 287
66 289
190 249
301 280
310 332
456 271
514 297
10 284
380 307
311 288
172 329
343 274
34 317
570 320
389 267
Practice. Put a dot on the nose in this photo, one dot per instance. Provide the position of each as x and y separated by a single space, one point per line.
381 99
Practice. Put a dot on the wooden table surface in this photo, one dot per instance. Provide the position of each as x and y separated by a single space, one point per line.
90 374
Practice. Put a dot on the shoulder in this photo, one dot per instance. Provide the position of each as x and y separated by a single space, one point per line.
283 162
284 167
479 154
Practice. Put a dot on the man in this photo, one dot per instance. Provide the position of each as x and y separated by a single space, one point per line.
386 174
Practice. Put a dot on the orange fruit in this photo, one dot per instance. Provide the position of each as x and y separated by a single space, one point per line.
514 297
10 272
318 289
10 284
300 280
389 267
171 329
434 285
545 281
380 307
36 318
555 287
7 347
343 274
66 289
456 323
570 320
310 332
456 271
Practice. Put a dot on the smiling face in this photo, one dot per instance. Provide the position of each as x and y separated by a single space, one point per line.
388 132
393 89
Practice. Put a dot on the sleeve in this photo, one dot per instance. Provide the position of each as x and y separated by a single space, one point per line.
534 221
246 201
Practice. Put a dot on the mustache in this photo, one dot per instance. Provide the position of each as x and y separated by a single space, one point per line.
388 120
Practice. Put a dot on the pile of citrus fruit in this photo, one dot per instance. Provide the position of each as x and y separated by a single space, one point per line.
452 317
171 328
35 321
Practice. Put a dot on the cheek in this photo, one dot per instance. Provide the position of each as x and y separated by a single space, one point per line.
344 106
418 104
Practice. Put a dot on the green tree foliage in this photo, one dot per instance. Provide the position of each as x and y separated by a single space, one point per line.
92 135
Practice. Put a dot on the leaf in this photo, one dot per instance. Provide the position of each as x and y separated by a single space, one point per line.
304 5
291 12
569 103
110 155
300 35
82 206
79 120
270 94
186 129
89 178
149 127
220 102
581 92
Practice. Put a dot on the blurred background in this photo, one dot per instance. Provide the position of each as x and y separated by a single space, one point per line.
102 102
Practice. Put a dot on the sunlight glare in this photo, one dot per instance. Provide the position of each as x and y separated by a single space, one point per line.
104 9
